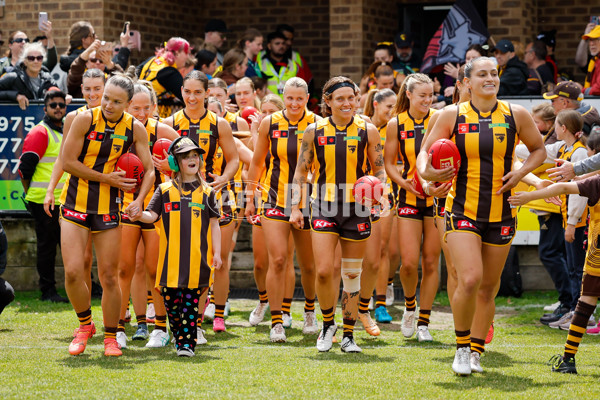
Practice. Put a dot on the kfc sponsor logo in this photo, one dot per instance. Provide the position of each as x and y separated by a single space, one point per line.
465 224
506 231
75 214
280 134
442 211
403 135
363 227
468 128
407 211
320 223
325 140
273 212
98 136
106 217
168 207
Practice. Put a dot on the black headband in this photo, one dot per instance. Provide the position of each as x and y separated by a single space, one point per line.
340 85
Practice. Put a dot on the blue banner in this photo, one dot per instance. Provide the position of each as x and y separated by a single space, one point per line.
14 126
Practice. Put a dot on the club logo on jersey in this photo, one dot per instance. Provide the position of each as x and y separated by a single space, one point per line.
117 147
363 227
468 128
407 135
352 149
203 142
325 140
97 136
280 134
500 136
196 213
464 224
321 223
218 155
407 211
507 231
273 212
74 214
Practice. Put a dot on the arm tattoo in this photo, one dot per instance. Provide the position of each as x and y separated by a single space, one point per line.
297 184
379 160
378 147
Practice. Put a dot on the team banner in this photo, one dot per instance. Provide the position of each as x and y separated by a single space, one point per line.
14 126
462 28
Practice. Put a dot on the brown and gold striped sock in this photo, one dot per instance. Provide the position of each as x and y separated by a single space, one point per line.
160 322
390 281
328 317
286 306
463 338
349 327
477 345
423 317
85 317
276 317
363 305
582 314
380 300
141 319
262 297
219 310
121 326
309 305
110 332
149 298
410 303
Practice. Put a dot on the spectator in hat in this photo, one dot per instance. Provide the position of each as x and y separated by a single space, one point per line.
540 75
549 39
592 79
215 34
513 72
408 60
582 55
567 95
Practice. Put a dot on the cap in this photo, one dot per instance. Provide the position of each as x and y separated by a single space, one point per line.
570 90
403 40
594 33
504 46
184 145
215 25
548 37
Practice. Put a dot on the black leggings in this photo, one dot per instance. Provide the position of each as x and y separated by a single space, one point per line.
182 309
7 294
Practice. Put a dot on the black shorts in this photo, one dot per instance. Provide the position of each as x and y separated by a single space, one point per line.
91 222
137 224
492 233
407 211
590 285
228 208
439 207
375 213
349 221
281 214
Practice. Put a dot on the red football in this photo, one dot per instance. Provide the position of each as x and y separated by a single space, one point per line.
247 112
418 186
161 146
133 167
368 190
444 153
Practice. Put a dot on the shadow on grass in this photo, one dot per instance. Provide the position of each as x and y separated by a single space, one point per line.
356 358
496 381
5 330
130 360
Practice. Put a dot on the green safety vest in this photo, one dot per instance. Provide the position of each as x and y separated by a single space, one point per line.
276 81
43 170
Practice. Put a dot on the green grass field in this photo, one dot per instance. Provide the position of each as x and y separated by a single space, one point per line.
243 364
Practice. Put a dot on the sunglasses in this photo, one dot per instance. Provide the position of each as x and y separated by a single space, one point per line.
54 105
35 58
20 40
95 61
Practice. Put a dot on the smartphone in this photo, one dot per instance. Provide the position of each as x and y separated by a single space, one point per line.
594 19
125 25
135 40
42 18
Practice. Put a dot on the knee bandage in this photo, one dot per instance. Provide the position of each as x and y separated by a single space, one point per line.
351 268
